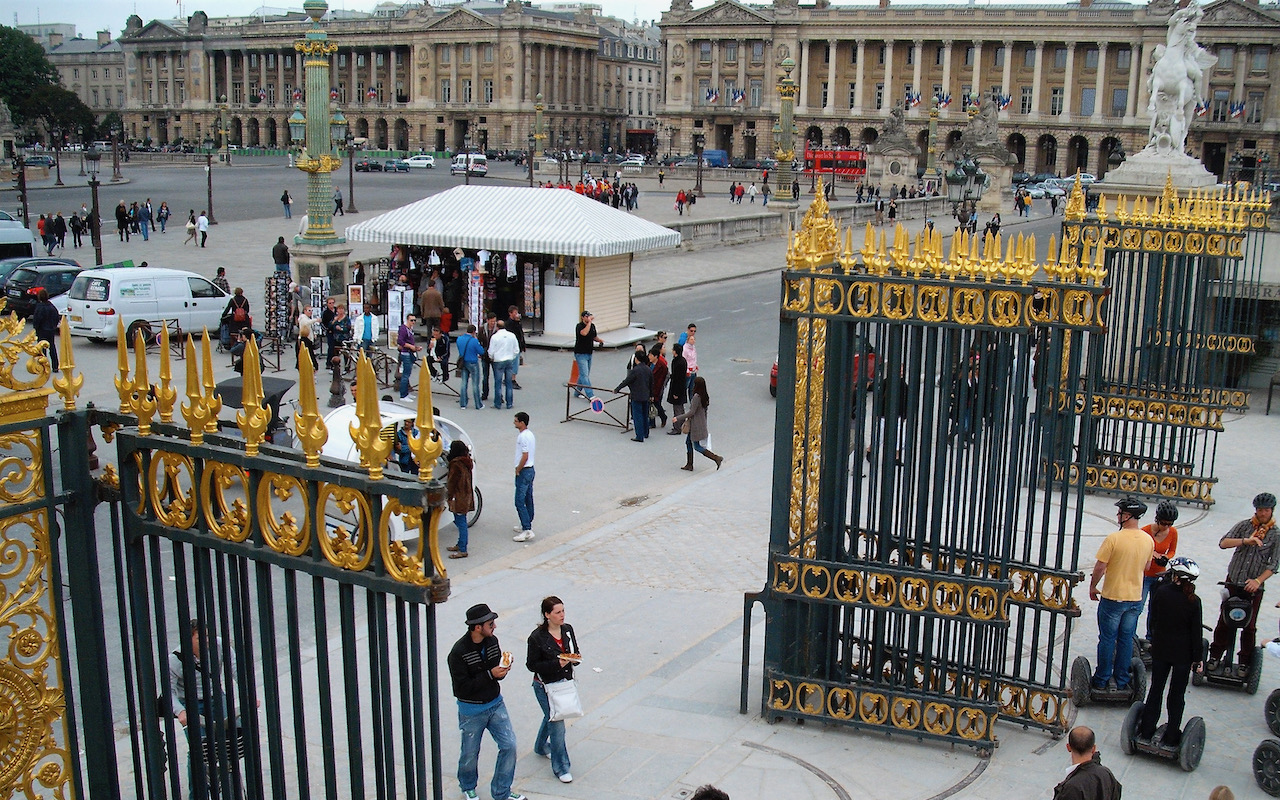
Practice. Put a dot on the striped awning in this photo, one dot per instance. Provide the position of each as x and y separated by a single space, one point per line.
516 218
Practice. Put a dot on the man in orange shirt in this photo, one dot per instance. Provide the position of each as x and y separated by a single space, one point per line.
1123 558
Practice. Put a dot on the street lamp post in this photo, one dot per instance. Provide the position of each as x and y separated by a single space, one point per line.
466 160
56 133
93 156
698 140
1264 169
811 166
115 154
80 139
208 172
582 157
350 208
529 158
21 165
321 129
965 185
784 134
1233 167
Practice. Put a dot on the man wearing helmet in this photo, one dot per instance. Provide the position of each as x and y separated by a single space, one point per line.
1166 543
1257 549
1123 557
1176 615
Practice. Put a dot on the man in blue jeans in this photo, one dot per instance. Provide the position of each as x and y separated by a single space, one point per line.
526 447
584 342
469 352
1123 558
476 665
407 346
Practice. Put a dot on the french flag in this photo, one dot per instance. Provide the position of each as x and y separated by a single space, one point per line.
372 93
333 95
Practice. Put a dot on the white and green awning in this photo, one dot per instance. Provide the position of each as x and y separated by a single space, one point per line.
516 218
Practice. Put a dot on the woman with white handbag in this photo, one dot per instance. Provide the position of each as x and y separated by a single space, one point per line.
553 651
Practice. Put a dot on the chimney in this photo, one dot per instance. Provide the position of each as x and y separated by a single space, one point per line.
104 38
1086 3
884 3
55 40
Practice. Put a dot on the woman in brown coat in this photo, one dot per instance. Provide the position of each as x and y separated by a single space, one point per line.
460 493
697 436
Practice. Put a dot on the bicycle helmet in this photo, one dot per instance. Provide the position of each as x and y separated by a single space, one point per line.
1265 500
1132 506
1185 567
1167 512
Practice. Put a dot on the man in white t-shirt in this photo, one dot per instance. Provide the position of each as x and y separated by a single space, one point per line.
525 448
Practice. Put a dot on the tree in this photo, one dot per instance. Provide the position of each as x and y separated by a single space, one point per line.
54 107
23 69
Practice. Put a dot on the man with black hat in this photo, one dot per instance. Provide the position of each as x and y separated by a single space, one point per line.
476 664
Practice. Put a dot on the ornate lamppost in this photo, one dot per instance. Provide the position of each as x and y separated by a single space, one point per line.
80 139
812 167
466 163
20 164
1234 166
932 169
56 134
784 133
350 207
93 155
698 140
529 158
966 184
208 175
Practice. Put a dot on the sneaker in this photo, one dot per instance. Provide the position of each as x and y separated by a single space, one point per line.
1112 686
517 528
516 796
565 778
523 536
469 794
1212 665
1242 671
458 554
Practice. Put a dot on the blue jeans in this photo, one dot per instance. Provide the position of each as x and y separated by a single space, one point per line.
145 227
524 497
503 373
1117 622
1148 583
288 210
473 726
690 445
640 418
163 221
406 372
550 739
584 373
461 521
470 376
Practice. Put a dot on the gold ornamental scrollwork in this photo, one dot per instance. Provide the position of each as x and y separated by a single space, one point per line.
171 485
227 519
796 294
345 547
401 564
316 47
864 299
21 467
281 530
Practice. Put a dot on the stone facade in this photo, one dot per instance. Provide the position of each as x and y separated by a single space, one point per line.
1074 75
92 68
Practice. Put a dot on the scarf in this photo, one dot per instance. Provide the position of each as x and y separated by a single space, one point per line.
1260 529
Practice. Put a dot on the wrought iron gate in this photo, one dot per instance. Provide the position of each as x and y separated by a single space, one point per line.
252 588
922 552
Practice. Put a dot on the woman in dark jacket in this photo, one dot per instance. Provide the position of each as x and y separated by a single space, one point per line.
697 436
550 646
1176 647
660 371
679 394
45 319
460 493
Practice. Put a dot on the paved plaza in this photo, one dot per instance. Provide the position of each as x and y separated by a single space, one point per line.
653 562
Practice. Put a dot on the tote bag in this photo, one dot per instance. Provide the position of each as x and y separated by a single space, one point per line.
562 700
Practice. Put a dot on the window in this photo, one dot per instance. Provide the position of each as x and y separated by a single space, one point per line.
379 59
879 96
75 73
1060 58
1088 101
1123 56
966 92
757 88
488 90
704 86
360 96
704 52
968 56
1253 112
1027 95
1055 101
1259 59
342 60
630 75
342 91
937 56
1029 58
853 94
446 91
881 54
271 60
119 98
1091 58
466 54
757 52
731 52
824 94
650 80
466 90
1226 58
94 74
1000 56
488 54
446 54
1221 97
911 55
1119 102
202 288
288 62
95 97
630 108
359 59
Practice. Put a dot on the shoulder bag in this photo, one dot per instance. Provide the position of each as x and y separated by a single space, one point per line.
563 700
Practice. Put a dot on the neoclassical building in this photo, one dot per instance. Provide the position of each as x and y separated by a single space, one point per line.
406 77
1072 75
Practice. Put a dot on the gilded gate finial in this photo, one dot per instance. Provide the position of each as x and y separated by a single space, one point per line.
368 434
253 418
166 395
211 398
141 403
424 441
68 385
124 387
196 410
1074 211
307 421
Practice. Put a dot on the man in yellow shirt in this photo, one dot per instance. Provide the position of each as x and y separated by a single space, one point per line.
1123 558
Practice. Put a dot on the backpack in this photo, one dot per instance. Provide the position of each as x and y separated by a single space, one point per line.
240 314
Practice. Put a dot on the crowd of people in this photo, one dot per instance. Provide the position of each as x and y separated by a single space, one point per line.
132 219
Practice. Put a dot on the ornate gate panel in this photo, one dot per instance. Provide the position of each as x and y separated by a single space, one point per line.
922 552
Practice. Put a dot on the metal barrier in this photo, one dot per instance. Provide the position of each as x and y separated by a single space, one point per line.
605 416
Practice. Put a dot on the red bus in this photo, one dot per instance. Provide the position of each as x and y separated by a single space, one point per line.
848 162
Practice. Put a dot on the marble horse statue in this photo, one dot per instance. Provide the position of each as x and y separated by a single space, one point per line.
1177 82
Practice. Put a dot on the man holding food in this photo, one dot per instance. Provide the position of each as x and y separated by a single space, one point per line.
476 664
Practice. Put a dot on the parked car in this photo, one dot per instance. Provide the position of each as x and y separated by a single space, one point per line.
39 161
422 161
1020 178
633 161
56 279
136 295
865 369
368 165
395 165
1047 189
1034 190
473 164
1086 178
10 265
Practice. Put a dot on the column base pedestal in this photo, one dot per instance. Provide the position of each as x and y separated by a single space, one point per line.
313 260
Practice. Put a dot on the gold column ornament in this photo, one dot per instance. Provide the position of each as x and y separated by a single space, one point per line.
166 395
68 385
253 418
141 404
124 387
211 398
368 434
425 442
308 423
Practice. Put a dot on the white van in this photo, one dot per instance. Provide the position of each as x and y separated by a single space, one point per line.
474 164
16 241
138 295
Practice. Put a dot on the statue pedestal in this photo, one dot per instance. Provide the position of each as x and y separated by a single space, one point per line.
998 197
892 165
313 260
1145 173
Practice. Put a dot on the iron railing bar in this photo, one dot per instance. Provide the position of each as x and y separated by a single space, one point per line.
123 620
271 680
294 625
406 708
196 776
351 689
383 755
326 697
433 693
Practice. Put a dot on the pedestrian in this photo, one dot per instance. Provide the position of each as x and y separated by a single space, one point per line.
752 191
280 255
1257 549
408 348
476 667
60 230
122 221
45 319
286 200
1088 779
1122 558
485 335
162 216
1176 648
553 651
308 341
893 211
76 224
338 333
517 330
662 175
431 304
694 425
220 280
504 355
795 189
202 667
585 340
470 352
658 361
679 393
202 225
367 330
879 206
235 317
526 445
1053 205
1165 536
145 220
680 200
460 493
404 453
337 202
191 227
690 352
639 383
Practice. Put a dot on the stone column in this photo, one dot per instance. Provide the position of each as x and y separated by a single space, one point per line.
1068 83
475 82
280 98
373 68
262 71
1006 78
917 59
173 69
888 76
947 52
455 91
832 48
228 57
1038 76
555 96
802 103
743 55
1144 94
542 70
977 68
1100 83
391 68
352 99
211 77
857 77
1242 68
524 63
1136 62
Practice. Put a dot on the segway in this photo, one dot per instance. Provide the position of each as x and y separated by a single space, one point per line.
1235 612
1188 751
1266 766
1083 691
